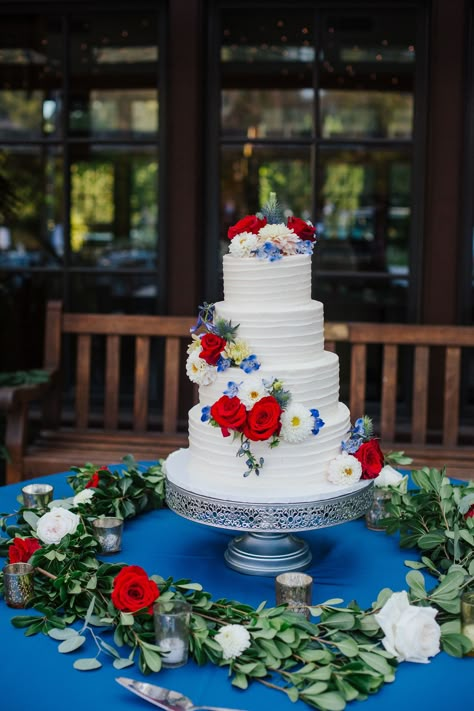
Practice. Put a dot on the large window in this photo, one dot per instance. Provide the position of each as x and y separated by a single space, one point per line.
79 163
319 106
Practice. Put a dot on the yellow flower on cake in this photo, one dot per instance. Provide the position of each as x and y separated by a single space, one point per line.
237 351
195 344
297 423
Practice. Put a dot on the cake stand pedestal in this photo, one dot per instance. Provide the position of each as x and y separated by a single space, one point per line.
268 546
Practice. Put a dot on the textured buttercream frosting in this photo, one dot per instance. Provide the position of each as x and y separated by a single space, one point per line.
271 304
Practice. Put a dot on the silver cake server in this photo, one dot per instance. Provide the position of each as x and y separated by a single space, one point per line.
164 698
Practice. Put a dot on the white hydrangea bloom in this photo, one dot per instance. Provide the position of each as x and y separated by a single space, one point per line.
244 244
198 370
344 469
83 497
55 524
234 639
251 391
297 423
281 236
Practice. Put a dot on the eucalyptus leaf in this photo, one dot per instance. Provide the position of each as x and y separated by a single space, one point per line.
62 634
71 643
31 519
122 663
87 664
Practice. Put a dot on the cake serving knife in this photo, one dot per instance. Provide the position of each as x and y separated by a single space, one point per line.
164 698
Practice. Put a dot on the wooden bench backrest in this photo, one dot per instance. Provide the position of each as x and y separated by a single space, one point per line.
113 327
451 339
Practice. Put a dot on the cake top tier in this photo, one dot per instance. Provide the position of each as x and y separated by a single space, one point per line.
256 284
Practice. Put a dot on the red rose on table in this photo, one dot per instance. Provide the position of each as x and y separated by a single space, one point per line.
21 550
469 513
93 482
212 347
263 420
250 223
370 456
229 413
301 228
133 590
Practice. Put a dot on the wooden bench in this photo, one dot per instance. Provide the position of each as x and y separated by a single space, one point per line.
429 358
58 447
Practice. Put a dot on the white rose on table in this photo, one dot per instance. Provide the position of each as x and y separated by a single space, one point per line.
390 477
55 524
411 632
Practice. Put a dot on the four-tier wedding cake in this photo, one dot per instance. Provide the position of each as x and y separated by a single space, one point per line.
269 424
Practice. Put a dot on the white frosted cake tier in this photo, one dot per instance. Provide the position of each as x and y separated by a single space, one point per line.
278 335
315 384
260 285
290 472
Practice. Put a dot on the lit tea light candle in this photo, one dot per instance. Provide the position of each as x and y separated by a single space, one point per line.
172 619
175 649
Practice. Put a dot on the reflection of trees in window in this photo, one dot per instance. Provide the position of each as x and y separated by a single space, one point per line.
342 190
92 191
290 180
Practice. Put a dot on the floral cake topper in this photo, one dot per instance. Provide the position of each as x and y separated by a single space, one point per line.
267 236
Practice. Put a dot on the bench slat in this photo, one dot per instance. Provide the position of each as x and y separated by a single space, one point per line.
83 378
451 396
170 405
420 394
112 382
142 378
389 392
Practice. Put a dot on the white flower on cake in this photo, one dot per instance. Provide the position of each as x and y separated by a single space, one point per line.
237 351
195 344
279 235
411 633
390 477
344 469
251 391
234 639
83 497
244 244
296 423
55 524
198 370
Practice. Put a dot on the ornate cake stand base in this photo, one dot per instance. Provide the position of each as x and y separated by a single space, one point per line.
267 553
268 546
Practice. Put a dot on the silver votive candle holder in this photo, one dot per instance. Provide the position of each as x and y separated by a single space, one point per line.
18 583
37 496
467 617
108 533
171 619
377 512
296 590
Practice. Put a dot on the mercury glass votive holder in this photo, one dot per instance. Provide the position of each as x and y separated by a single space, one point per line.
377 511
18 582
37 496
467 617
295 589
108 533
171 619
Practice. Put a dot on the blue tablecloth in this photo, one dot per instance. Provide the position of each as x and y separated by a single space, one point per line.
349 561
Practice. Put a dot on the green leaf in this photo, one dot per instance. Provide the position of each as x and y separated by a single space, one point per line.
292 693
71 643
87 664
240 681
317 688
347 646
31 519
376 662
329 701
332 601
126 619
456 645
449 586
62 634
431 540
190 586
340 620
416 583
122 663
151 659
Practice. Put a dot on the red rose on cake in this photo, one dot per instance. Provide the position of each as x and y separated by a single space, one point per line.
212 347
229 413
371 458
250 223
304 230
263 420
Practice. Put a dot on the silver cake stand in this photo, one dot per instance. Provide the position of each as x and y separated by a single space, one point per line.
268 546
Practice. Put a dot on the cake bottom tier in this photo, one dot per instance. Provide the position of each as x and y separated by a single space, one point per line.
291 472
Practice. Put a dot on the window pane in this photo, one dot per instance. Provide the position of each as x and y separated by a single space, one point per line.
31 219
367 74
250 173
31 76
266 70
114 213
109 293
364 210
114 68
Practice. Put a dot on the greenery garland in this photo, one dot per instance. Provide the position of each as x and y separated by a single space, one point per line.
326 663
